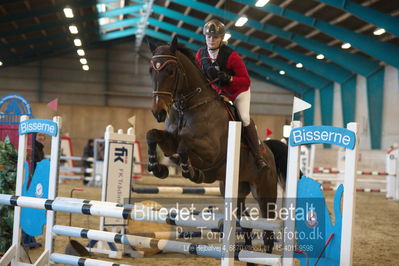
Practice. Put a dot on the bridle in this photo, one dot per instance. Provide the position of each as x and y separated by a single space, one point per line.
158 66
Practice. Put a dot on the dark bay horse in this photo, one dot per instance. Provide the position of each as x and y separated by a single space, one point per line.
196 129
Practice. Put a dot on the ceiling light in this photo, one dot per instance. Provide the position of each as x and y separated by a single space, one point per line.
68 12
227 36
282 72
299 65
320 56
1 63
379 31
83 61
73 29
346 45
261 3
77 42
81 52
85 67
241 21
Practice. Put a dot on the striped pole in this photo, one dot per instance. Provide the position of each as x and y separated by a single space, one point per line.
374 190
327 180
77 169
321 170
78 261
245 221
165 245
177 190
104 210
128 211
203 234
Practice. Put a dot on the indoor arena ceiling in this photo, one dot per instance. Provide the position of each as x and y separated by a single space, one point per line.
297 44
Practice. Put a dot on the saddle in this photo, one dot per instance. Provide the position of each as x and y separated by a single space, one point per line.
231 109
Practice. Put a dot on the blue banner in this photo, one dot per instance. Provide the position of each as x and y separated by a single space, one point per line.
38 126
323 134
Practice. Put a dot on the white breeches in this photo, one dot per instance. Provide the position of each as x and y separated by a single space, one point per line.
242 102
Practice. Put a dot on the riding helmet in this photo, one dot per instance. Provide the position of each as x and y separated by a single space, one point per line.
214 28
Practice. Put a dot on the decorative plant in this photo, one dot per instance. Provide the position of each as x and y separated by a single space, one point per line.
8 174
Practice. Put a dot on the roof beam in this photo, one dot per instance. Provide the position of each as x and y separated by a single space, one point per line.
67 22
353 62
121 11
287 82
303 76
381 50
294 23
118 34
167 3
370 15
59 35
271 38
333 22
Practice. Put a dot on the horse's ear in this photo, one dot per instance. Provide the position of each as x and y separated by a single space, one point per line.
151 45
173 45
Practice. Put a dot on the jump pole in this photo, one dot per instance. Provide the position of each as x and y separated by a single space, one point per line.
178 190
392 169
161 244
231 192
290 198
349 200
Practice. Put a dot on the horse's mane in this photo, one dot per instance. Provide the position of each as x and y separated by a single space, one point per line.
187 52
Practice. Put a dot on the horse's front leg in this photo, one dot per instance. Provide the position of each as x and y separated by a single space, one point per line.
167 143
188 171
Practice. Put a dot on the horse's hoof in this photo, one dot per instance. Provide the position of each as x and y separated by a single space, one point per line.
198 176
161 171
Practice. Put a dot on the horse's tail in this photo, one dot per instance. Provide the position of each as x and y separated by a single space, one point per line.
280 152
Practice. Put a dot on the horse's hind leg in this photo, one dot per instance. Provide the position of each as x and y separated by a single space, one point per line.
167 142
188 171
267 206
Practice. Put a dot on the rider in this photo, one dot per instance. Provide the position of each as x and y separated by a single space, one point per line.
226 71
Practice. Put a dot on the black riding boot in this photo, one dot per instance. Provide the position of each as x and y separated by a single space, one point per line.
254 144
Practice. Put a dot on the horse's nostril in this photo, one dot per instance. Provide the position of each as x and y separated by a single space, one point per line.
162 116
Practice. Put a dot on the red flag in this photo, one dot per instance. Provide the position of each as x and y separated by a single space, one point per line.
268 132
53 104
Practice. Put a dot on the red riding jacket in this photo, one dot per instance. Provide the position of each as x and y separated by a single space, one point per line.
233 66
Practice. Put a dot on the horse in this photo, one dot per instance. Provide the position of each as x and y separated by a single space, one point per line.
196 129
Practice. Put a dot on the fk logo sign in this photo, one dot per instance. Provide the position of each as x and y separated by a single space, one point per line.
120 154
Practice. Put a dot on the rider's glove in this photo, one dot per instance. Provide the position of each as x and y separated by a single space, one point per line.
212 73
224 78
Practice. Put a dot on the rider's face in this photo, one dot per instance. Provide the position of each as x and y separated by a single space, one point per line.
213 42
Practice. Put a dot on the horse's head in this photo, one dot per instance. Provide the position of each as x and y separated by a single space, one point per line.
164 72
